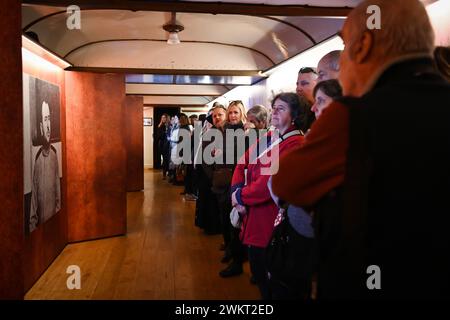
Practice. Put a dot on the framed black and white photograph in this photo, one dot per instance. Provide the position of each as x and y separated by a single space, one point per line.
148 122
42 151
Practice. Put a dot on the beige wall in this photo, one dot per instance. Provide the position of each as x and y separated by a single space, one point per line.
148 139
439 13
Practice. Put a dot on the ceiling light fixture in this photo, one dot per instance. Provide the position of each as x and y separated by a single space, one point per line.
173 28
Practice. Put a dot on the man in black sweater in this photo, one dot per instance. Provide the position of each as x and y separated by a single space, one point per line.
376 165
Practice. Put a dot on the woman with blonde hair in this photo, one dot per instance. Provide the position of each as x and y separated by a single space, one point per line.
236 113
221 183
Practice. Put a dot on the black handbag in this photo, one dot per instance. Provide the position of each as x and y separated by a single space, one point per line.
221 178
286 254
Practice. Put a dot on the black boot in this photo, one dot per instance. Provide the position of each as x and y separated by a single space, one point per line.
226 257
233 269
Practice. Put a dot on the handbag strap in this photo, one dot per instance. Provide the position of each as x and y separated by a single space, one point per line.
279 140
281 217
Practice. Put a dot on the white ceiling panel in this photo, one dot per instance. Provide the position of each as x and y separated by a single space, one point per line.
180 90
159 55
177 100
113 38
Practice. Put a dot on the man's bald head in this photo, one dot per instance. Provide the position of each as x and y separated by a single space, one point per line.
405 31
405 27
328 66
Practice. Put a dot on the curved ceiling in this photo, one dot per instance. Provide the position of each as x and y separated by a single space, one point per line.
319 3
221 40
227 38
128 39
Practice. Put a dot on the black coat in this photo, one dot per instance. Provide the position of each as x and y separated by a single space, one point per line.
393 209
162 139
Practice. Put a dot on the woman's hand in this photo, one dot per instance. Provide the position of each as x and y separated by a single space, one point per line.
241 209
248 125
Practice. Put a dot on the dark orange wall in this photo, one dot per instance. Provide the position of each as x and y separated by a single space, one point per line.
11 154
44 244
96 155
135 143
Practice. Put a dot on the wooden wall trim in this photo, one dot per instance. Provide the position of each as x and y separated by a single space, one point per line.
96 155
11 164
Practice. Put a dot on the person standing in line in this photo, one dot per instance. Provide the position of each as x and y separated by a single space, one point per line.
384 171
163 143
249 185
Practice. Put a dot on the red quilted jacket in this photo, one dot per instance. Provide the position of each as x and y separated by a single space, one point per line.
257 226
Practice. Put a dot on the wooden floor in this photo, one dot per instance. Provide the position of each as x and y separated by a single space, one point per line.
163 256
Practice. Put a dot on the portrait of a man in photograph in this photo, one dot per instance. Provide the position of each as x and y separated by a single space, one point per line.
42 154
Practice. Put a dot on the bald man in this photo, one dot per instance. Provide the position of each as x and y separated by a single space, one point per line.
45 190
374 169
328 66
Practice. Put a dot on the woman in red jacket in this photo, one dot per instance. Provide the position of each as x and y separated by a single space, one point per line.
253 195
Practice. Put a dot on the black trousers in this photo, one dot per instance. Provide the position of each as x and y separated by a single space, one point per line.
206 209
224 202
237 249
296 282
166 160
189 180
233 245
257 260
158 152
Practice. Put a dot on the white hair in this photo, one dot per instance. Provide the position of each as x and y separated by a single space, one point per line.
260 112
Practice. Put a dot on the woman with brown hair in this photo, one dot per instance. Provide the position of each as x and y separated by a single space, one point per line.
249 183
324 93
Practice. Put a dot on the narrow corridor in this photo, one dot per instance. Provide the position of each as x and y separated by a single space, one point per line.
163 256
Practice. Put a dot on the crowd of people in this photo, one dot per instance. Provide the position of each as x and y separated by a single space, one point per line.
363 173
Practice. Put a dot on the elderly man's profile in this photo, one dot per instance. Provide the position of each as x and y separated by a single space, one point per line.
45 188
